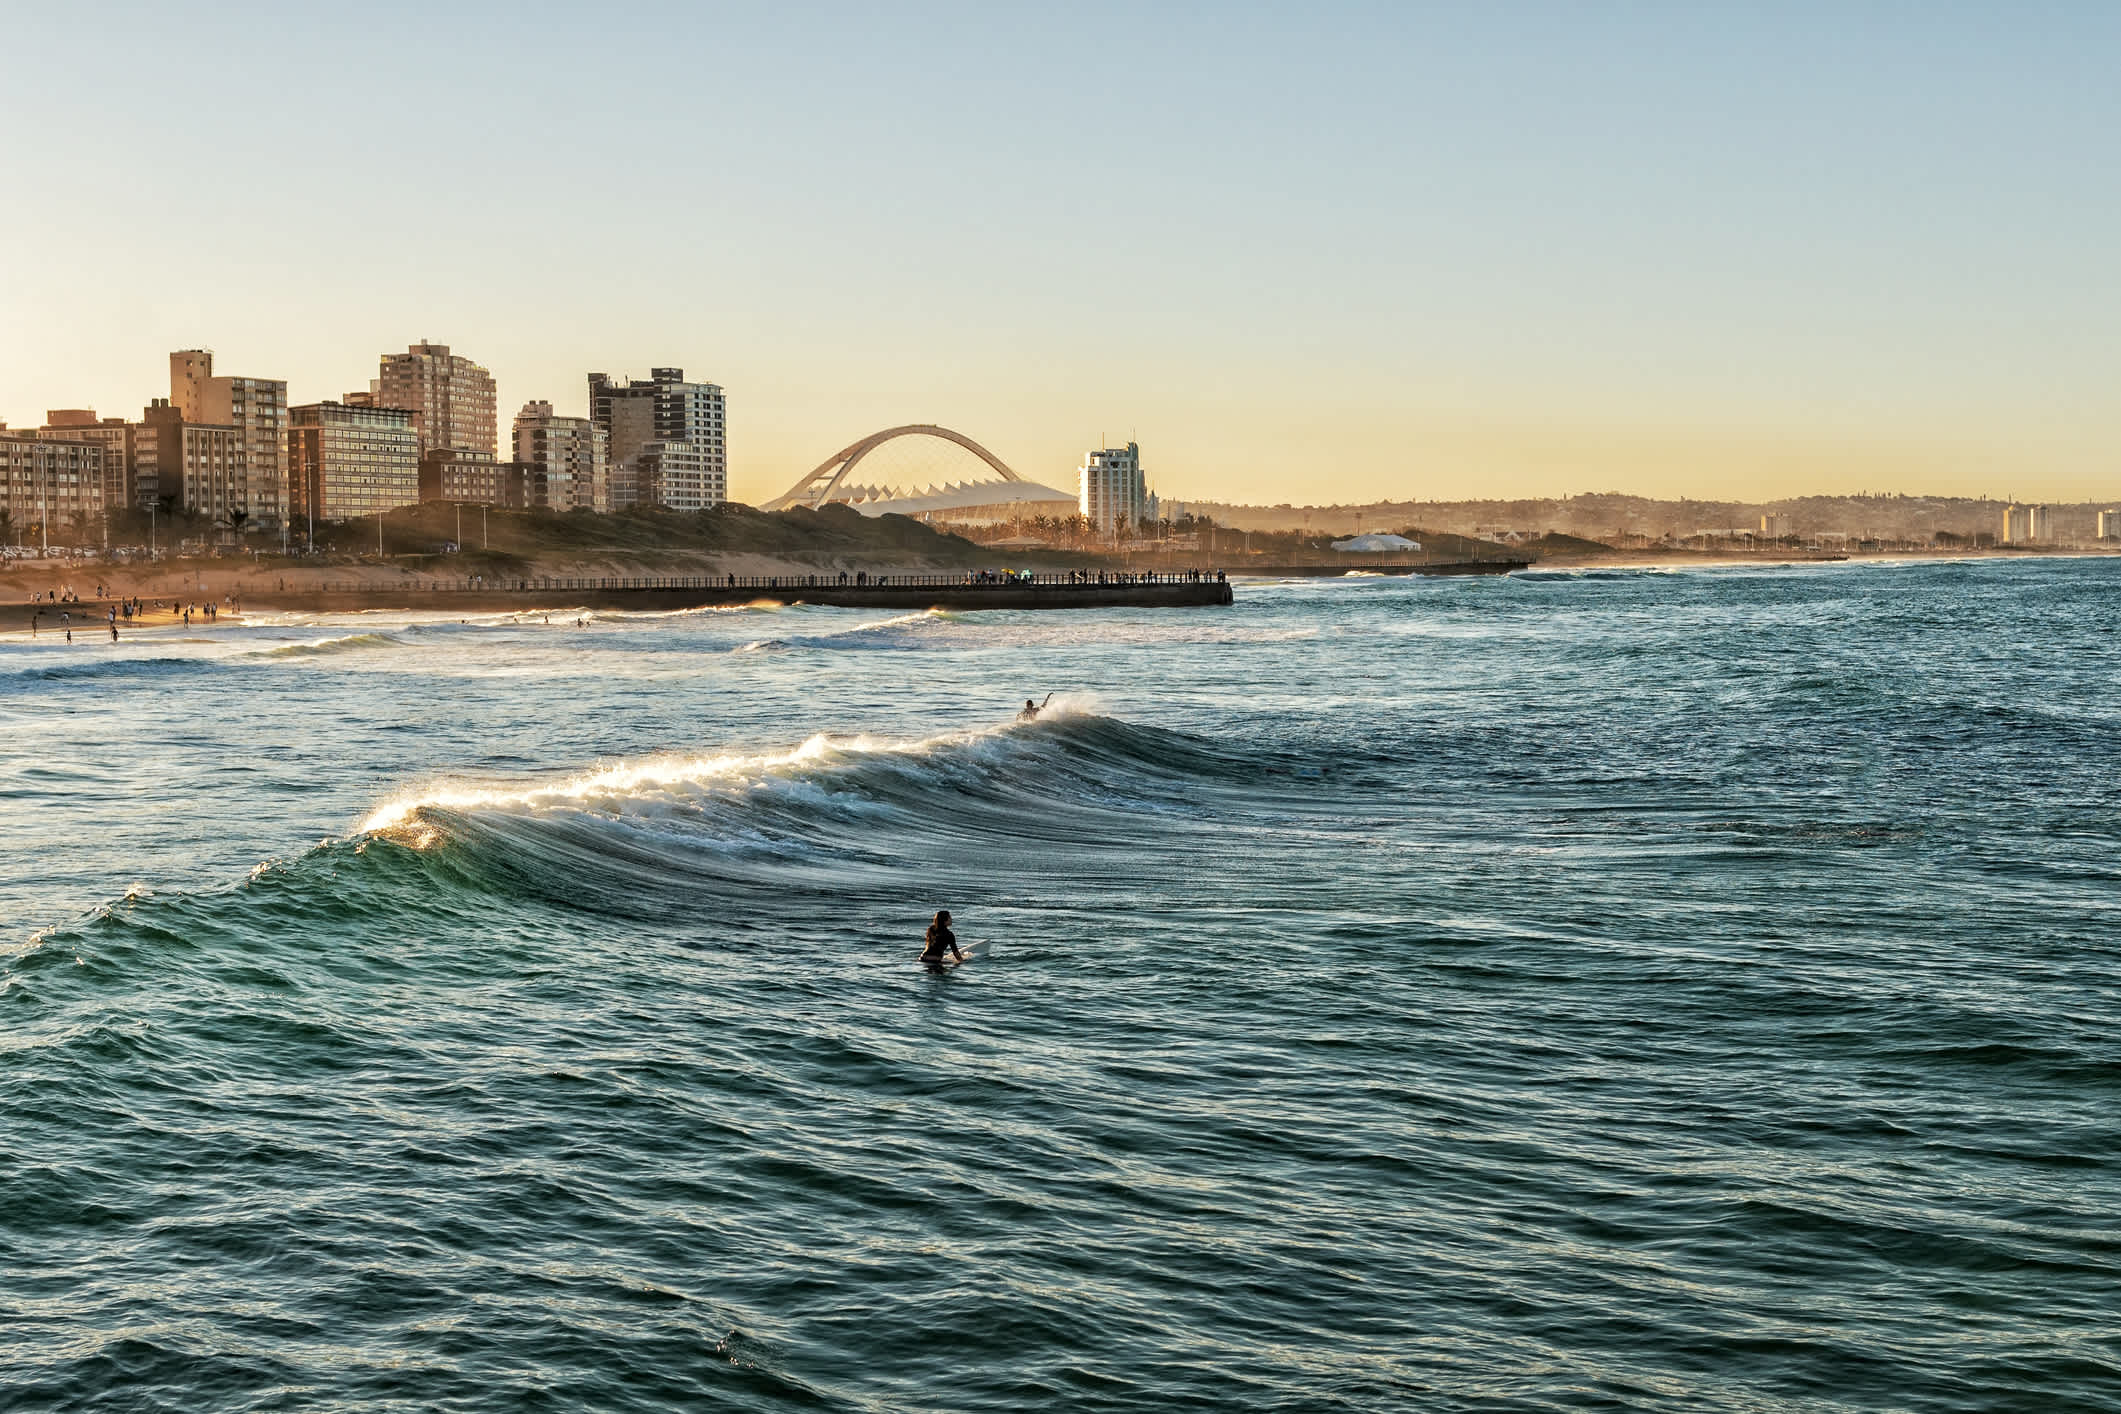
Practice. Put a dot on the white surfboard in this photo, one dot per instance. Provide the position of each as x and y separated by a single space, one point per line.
976 948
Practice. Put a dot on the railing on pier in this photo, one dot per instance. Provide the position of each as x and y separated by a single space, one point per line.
974 580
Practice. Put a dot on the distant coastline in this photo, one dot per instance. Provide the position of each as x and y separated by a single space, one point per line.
422 555
1619 521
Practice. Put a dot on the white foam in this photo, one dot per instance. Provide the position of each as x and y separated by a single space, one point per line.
627 782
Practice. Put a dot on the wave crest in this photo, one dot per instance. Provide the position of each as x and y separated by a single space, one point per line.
326 647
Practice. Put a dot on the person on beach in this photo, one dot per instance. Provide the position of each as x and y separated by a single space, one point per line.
942 943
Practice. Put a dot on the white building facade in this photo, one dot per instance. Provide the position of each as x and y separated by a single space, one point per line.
684 476
1111 492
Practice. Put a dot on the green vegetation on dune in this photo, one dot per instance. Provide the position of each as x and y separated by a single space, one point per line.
1554 543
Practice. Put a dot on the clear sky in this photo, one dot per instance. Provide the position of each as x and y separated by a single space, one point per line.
1310 252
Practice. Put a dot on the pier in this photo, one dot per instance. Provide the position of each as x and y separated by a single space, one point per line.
1078 590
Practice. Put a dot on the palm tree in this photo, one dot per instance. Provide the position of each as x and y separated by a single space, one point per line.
235 523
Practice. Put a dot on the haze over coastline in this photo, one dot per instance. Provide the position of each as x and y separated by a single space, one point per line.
1340 255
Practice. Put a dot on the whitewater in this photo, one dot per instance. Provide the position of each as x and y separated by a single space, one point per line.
1680 991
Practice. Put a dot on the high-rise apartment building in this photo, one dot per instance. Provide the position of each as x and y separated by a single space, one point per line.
257 409
113 434
49 488
2028 525
566 460
1112 494
192 466
685 425
458 474
684 476
2110 525
451 399
345 460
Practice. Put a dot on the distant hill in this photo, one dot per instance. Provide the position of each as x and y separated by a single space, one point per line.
1609 516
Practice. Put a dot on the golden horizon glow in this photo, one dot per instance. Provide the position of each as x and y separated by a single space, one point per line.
1329 257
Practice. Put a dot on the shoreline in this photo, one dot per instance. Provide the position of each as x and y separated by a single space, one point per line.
1680 560
89 615
1707 560
236 585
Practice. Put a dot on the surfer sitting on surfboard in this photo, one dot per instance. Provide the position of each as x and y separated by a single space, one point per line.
942 943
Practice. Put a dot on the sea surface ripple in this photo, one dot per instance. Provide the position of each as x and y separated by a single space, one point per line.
1686 991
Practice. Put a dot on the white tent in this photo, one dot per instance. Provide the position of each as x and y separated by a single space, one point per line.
1371 543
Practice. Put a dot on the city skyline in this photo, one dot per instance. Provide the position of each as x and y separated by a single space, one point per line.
1375 254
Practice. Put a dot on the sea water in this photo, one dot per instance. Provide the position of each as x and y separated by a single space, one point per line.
1564 991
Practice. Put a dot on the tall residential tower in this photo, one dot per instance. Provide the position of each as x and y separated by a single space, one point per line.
667 440
1113 497
451 399
256 408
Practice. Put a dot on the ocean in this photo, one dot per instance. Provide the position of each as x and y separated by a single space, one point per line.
1592 990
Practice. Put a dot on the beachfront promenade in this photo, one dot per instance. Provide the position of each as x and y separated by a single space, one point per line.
1079 589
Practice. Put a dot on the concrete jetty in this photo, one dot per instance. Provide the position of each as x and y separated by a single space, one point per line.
1078 590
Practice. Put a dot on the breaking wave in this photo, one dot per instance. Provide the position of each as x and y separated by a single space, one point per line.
721 834
327 647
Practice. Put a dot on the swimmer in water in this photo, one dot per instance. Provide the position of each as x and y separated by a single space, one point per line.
1032 709
942 943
